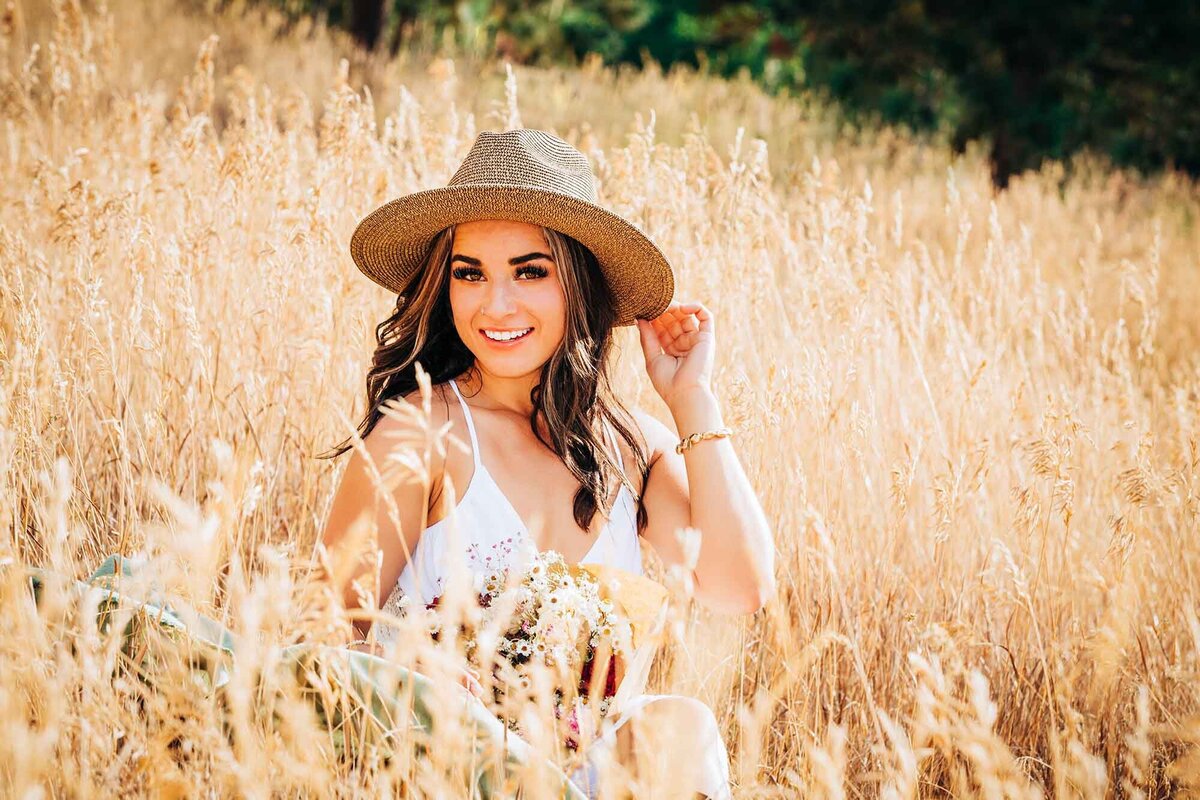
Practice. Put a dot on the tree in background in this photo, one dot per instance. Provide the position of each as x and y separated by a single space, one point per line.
1037 80
366 20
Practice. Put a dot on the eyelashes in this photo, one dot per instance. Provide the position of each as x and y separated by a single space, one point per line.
469 274
533 271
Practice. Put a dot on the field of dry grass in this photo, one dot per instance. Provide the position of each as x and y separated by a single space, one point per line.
974 418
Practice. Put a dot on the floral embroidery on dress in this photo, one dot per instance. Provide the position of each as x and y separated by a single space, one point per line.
499 557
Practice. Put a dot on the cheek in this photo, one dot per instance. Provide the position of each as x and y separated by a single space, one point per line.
551 306
461 307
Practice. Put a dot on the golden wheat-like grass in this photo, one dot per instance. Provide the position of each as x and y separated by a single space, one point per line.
971 416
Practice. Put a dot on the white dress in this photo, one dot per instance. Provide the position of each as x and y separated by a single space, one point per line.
489 534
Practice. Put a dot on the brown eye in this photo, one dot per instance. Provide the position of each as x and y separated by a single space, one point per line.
466 273
533 271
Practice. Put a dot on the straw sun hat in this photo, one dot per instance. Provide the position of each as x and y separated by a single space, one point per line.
529 176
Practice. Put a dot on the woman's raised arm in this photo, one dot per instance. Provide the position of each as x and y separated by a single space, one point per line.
706 487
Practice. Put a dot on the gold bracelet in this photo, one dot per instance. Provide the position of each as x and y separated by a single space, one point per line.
686 442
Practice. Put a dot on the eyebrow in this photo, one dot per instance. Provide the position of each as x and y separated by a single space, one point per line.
513 261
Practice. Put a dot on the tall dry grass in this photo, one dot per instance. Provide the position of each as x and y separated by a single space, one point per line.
971 416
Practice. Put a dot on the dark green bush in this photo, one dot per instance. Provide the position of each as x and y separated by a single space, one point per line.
1037 80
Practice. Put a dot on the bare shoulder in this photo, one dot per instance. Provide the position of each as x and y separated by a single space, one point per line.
657 436
400 419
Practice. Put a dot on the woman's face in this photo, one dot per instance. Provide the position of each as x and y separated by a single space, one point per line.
506 295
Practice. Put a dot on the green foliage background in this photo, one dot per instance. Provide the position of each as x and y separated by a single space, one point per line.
1036 80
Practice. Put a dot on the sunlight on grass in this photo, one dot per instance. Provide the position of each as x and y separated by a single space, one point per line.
972 417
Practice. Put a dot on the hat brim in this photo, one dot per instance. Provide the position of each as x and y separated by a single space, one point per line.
391 242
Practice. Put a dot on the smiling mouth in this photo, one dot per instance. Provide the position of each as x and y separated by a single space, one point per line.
506 336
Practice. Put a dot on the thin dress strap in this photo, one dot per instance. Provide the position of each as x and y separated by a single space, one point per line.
616 446
612 440
470 424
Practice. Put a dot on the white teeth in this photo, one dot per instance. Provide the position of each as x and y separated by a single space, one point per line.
506 336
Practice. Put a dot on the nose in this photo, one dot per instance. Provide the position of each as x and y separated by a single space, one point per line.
499 301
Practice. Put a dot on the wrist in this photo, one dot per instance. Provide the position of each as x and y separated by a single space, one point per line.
695 409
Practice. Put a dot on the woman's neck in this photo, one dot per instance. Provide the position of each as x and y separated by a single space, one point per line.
508 394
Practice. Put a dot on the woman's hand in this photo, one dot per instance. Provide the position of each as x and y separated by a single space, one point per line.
680 346
470 679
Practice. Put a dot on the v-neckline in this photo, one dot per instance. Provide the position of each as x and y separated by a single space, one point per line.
478 466
525 528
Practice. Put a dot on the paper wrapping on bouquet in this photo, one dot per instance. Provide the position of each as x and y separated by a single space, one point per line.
644 603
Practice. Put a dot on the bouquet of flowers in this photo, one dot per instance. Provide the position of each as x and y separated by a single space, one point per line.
582 622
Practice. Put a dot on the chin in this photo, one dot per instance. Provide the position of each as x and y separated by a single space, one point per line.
513 364
503 368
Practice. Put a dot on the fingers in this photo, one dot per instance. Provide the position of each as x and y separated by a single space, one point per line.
705 317
675 327
666 336
649 336
701 313
679 328
681 318
470 679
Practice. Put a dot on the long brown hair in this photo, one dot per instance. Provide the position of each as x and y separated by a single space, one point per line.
574 396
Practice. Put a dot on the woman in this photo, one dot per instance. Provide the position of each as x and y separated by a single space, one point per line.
510 281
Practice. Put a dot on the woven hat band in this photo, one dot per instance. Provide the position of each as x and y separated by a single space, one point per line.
527 158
